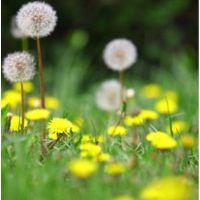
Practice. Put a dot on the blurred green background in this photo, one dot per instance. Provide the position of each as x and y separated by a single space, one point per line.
161 29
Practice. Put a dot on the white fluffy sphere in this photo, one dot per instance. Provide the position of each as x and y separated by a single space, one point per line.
36 19
15 30
120 54
108 95
19 67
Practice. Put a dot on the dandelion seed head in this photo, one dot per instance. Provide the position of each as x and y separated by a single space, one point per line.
19 67
36 19
108 95
15 30
119 54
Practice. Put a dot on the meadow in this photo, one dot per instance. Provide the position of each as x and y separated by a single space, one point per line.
76 148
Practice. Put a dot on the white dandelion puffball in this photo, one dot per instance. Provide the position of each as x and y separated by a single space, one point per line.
19 67
120 54
36 19
15 30
130 92
108 95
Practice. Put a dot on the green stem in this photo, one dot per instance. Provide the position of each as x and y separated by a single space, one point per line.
25 44
41 79
121 80
22 106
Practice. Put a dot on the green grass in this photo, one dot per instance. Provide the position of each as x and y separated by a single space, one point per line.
25 177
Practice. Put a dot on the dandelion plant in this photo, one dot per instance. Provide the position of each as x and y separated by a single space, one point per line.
19 67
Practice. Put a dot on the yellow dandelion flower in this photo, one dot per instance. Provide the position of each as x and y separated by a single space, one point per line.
177 127
124 197
89 149
151 91
82 168
166 106
104 157
100 139
16 122
117 131
12 98
51 102
58 126
34 102
53 136
115 169
148 114
3 103
161 140
187 141
171 95
37 114
27 86
171 188
86 138
134 120
75 128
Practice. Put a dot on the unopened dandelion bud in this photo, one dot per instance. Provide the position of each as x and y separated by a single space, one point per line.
9 115
130 93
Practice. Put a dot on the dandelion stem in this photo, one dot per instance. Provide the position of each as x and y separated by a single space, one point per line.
22 106
121 80
40 64
25 44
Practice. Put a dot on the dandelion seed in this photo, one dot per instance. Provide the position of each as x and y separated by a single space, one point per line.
19 67
108 95
36 19
119 54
